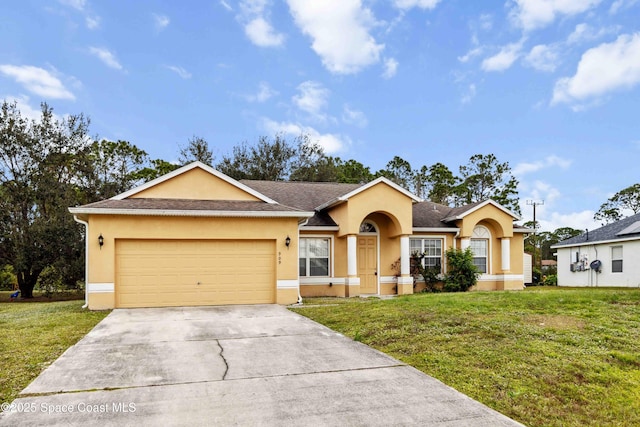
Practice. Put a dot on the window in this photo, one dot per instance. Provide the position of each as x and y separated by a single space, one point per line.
616 259
314 257
480 248
430 249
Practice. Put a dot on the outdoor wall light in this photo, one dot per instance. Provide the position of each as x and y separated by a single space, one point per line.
100 241
287 241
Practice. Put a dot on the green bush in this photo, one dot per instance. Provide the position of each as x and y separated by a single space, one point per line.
462 274
8 280
550 280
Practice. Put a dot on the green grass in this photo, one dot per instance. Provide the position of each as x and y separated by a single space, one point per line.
544 356
33 335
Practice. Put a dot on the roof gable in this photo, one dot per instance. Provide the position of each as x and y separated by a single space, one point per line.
624 229
379 181
462 211
195 181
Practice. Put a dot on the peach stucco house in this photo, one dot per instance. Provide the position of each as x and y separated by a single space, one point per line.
198 237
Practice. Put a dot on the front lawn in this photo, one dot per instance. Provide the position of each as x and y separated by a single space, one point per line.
33 335
544 356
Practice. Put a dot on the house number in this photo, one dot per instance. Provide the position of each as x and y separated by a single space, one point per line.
279 257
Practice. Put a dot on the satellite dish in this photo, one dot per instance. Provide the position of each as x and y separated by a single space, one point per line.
596 265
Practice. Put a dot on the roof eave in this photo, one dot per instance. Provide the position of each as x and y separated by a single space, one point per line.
192 213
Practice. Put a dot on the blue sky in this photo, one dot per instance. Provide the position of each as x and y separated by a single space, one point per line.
550 86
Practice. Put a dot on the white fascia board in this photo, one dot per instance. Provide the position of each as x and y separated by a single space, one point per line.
435 230
187 168
595 243
199 213
365 187
524 230
480 206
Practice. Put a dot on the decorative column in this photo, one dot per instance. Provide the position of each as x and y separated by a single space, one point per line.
405 281
352 282
506 253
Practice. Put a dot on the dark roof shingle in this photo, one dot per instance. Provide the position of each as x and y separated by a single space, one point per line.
608 232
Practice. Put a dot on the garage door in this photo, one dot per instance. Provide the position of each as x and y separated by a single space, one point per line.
163 273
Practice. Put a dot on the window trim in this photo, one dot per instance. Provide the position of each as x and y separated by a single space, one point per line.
482 233
443 243
330 257
617 260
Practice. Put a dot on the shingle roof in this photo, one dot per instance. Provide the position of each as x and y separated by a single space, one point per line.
186 205
430 215
607 233
301 195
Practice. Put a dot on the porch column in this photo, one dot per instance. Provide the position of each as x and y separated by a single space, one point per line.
505 243
405 281
352 282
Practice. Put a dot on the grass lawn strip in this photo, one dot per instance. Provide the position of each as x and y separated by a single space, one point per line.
36 334
552 357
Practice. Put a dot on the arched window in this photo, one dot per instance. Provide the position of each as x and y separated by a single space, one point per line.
367 227
480 248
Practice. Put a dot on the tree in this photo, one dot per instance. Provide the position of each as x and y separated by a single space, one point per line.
352 172
157 168
399 171
269 160
486 178
115 167
441 184
39 164
197 149
311 164
618 205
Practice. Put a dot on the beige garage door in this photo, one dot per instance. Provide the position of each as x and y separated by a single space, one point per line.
163 273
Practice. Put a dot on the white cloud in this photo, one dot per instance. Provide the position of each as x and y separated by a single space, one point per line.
390 68
254 17
619 5
179 71
533 14
354 117
409 4
37 80
226 5
312 98
339 30
582 220
93 22
108 58
470 94
543 58
548 162
76 4
264 93
161 21
331 143
503 59
477 51
584 33
262 34
602 69
486 21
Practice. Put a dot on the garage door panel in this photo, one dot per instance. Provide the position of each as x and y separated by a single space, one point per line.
204 272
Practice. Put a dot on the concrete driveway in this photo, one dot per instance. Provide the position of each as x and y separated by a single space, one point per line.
241 365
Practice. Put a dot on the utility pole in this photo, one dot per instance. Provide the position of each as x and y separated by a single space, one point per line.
535 203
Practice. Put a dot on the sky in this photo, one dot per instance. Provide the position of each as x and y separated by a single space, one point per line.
550 86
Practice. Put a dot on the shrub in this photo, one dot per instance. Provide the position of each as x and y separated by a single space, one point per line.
462 274
550 280
8 280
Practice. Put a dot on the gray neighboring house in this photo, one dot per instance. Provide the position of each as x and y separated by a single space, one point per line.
607 256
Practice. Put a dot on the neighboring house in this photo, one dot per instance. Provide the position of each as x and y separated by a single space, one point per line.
548 265
198 237
607 256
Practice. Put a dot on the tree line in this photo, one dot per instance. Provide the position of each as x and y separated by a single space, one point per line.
52 163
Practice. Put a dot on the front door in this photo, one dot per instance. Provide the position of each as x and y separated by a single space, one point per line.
368 264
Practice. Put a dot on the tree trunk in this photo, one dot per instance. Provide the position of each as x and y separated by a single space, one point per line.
26 282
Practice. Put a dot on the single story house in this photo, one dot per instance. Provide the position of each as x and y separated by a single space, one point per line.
607 256
198 237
